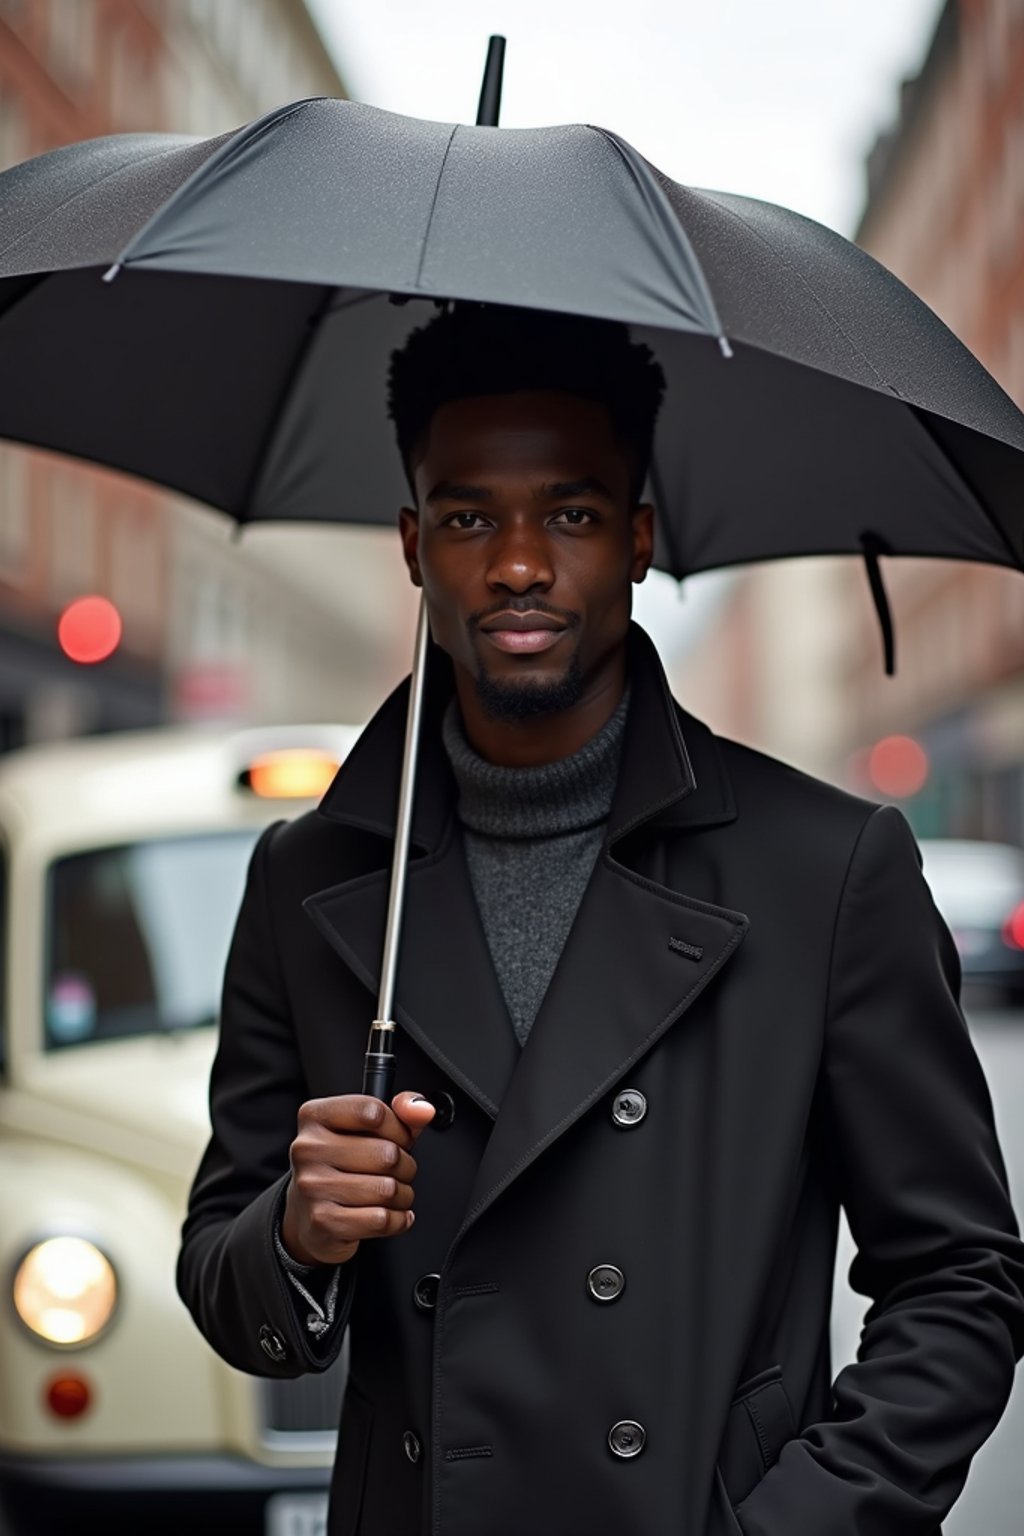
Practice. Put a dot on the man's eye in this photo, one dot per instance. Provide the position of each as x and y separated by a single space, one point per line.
455 519
575 515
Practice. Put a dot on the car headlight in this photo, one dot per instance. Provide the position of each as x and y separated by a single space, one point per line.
65 1290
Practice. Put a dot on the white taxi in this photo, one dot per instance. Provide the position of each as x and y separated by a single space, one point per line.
123 862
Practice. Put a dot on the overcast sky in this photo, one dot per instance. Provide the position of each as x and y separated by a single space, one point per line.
777 99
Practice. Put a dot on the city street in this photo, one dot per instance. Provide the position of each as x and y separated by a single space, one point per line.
401 473
994 1495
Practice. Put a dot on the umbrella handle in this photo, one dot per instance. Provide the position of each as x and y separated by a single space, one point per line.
379 1063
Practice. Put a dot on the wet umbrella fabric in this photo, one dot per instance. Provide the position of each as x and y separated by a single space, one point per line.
239 354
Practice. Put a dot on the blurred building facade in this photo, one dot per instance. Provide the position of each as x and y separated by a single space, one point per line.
945 212
800 643
211 631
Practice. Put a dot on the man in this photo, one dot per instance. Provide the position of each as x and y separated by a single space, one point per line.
665 1003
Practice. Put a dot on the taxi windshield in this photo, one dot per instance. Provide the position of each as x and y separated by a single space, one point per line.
138 935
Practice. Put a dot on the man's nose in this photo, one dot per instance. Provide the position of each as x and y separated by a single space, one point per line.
520 559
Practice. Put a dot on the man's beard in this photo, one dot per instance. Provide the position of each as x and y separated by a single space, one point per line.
503 699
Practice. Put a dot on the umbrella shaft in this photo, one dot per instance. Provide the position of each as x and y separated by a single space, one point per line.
379 1064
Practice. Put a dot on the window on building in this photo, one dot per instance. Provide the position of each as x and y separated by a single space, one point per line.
15 528
135 570
72 531
72 41
13 140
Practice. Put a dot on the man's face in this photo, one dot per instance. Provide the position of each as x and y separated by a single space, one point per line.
526 544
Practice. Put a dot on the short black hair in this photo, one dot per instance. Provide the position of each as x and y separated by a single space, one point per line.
495 349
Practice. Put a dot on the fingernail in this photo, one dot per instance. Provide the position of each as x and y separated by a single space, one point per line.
412 1217
419 1099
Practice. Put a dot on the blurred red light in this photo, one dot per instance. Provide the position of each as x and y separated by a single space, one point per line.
1013 928
897 766
89 630
68 1396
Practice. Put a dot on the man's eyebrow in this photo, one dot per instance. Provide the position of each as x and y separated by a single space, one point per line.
589 485
451 490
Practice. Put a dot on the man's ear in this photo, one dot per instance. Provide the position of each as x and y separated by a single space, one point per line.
642 520
409 530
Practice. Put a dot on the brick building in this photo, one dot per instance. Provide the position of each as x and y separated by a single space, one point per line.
945 211
210 630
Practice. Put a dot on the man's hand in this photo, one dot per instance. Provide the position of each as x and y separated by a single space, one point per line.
351 1174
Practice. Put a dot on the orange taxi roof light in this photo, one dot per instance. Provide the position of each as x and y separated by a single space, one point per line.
291 774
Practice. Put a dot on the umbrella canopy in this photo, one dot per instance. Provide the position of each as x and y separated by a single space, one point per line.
239 355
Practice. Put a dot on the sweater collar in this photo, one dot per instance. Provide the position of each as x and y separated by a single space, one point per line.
670 766
568 794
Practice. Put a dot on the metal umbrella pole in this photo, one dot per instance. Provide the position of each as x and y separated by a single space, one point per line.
379 1063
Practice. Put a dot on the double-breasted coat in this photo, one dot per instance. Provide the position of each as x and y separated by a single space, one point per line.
633 1218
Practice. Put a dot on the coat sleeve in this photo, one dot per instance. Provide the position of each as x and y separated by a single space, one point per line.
921 1177
228 1273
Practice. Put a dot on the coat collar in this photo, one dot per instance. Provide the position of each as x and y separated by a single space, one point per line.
599 1015
671 768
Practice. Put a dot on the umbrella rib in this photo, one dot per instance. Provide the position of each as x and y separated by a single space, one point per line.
225 143
417 281
83 191
817 299
920 416
641 175
270 438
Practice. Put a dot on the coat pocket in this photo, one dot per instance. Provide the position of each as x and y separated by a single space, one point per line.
759 1423
348 1479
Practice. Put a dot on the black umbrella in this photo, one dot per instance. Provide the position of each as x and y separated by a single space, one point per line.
254 273
257 282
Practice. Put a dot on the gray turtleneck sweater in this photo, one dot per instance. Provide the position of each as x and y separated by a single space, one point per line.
532 836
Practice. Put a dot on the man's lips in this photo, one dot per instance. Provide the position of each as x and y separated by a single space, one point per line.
523 632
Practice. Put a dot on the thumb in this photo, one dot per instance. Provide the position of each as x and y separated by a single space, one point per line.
413 1110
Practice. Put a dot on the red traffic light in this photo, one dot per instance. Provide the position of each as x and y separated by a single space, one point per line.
89 630
897 766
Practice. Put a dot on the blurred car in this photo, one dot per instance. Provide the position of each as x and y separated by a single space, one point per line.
979 889
123 861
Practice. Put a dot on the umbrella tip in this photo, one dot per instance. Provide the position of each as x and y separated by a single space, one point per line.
111 272
724 347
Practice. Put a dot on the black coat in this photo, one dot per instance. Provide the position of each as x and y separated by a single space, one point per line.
758 961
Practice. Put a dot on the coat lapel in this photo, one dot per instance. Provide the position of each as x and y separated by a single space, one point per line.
637 956
639 953
636 959
447 995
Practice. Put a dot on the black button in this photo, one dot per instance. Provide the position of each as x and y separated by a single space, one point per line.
424 1292
606 1282
413 1449
628 1107
626 1438
444 1110
272 1344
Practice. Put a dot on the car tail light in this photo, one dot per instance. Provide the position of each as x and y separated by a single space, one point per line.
68 1396
1013 928
290 774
